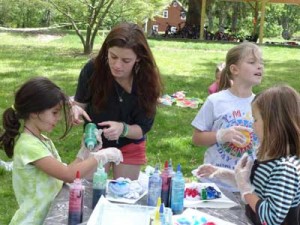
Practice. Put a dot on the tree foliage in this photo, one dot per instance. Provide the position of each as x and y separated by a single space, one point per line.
86 17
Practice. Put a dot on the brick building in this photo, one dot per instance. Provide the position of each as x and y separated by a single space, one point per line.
173 15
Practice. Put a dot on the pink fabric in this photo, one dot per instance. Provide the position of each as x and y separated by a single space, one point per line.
213 88
134 154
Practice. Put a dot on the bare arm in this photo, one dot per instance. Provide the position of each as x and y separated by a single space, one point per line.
63 172
252 200
204 138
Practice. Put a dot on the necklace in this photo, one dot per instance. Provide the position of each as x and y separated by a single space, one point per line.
48 145
120 96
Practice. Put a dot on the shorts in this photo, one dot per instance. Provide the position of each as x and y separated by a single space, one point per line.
134 154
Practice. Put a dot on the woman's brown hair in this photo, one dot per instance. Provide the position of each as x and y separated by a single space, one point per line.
146 75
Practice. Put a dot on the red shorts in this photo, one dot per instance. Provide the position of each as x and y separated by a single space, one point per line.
134 154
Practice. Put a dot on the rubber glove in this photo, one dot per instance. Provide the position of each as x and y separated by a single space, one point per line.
232 134
214 172
108 155
242 175
98 133
84 152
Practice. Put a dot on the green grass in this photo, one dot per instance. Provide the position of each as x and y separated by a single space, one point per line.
185 65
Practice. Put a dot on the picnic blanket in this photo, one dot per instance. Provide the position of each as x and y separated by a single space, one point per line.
179 99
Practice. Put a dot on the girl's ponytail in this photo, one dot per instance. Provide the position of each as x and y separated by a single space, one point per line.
11 126
225 81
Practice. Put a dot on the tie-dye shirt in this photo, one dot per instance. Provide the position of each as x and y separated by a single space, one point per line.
34 189
223 110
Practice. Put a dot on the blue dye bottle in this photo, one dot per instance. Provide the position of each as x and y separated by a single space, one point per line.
99 184
76 201
177 194
154 188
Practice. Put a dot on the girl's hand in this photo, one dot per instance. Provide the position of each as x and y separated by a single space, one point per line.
108 155
112 130
205 170
235 135
242 175
214 172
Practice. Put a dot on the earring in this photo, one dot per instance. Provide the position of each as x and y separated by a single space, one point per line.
136 67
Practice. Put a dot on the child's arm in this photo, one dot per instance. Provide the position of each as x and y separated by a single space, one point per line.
204 138
67 173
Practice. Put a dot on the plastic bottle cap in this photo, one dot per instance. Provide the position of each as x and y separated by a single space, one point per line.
90 145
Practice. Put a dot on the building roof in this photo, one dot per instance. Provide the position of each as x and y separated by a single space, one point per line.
296 2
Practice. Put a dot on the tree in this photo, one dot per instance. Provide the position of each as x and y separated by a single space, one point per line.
134 10
84 13
90 15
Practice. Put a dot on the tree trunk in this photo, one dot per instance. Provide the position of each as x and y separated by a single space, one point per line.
236 9
193 15
87 48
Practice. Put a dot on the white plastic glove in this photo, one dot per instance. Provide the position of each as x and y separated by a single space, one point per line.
98 134
214 172
108 155
84 152
232 134
242 175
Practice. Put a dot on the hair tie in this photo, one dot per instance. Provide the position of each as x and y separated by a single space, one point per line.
13 107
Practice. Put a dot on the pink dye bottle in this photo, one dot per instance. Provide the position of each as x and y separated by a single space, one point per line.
166 182
76 201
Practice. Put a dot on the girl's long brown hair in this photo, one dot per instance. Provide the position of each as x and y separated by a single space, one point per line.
279 107
146 74
34 96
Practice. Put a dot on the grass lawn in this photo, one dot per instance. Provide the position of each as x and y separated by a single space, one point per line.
185 66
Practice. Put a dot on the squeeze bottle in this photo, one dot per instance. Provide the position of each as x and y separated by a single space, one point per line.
90 139
166 182
99 184
154 188
177 194
76 201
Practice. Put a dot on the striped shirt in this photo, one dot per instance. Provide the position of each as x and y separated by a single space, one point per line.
277 184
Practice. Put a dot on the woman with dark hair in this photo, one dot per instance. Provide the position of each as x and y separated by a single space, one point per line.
118 90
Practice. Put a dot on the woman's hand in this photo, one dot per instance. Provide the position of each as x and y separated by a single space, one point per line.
112 130
77 113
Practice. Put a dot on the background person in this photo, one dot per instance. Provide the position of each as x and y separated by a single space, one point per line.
119 89
38 172
224 121
214 87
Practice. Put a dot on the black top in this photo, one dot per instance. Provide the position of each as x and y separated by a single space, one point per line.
127 110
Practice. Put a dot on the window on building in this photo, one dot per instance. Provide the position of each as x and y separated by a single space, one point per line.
155 28
175 4
165 14
182 15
